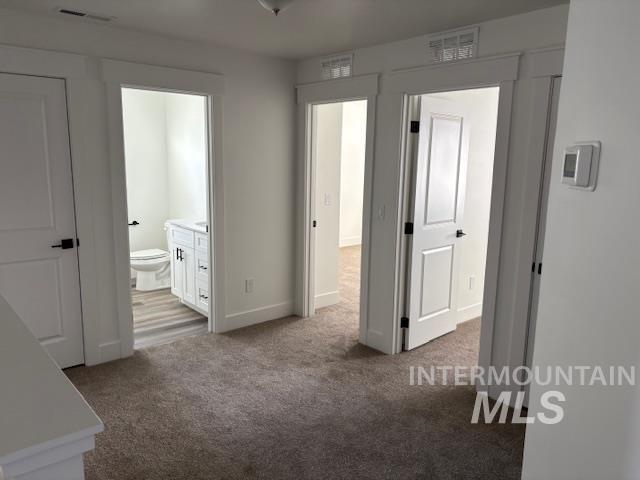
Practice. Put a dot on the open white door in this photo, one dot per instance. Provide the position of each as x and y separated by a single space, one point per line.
438 208
37 213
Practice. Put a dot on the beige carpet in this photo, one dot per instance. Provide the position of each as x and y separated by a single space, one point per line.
292 399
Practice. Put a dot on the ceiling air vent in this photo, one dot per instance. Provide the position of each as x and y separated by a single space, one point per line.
454 45
337 67
86 15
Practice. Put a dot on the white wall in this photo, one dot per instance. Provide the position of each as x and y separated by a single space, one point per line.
354 136
186 156
481 106
326 151
588 310
258 153
534 30
145 145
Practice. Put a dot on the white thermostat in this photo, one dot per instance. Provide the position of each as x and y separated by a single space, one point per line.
580 165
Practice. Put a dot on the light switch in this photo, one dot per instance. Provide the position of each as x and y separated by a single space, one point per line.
327 199
248 285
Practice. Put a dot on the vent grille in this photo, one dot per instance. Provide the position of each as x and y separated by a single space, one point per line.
454 45
337 67
86 15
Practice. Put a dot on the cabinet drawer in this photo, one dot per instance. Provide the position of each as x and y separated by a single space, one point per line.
181 236
202 295
202 242
202 266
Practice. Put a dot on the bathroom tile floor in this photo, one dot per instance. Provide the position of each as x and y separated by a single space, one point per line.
159 318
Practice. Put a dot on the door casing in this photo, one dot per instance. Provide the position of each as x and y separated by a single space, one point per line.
118 75
354 88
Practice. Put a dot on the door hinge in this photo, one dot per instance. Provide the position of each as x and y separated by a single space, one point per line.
540 268
408 228
314 224
77 242
404 322
415 126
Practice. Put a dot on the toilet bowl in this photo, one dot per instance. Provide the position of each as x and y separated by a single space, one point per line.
152 269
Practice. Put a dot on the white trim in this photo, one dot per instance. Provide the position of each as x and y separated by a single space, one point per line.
327 299
161 78
546 62
117 74
360 87
110 351
340 89
73 69
29 61
255 316
350 241
477 72
469 312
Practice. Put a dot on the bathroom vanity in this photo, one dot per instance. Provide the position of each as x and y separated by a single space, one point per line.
188 244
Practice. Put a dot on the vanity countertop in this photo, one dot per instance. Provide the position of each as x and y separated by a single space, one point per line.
200 227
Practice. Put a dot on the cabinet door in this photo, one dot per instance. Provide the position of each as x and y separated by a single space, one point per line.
189 276
177 272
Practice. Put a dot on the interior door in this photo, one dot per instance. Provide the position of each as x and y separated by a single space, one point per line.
438 209
41 283
536 271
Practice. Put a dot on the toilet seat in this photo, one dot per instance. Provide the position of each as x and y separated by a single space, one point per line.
150 254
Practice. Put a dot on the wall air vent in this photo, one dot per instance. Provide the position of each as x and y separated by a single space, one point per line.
454 45
85 15
339 66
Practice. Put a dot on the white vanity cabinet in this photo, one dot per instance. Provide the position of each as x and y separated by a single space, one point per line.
188 244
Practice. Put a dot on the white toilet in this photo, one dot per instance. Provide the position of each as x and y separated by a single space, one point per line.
152 269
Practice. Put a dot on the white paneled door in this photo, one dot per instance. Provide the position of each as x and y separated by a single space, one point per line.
38 257
438 206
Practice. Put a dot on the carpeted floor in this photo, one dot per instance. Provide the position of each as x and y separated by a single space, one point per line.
292 399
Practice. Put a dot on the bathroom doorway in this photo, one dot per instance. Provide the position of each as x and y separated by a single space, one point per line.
166 155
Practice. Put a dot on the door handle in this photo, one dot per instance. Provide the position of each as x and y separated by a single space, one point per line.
460 233
134 223
64 244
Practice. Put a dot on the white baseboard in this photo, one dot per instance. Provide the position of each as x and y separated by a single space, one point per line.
234 321
469 312
327 299
350 241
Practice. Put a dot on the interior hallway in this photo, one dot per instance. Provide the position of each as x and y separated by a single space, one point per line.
293 398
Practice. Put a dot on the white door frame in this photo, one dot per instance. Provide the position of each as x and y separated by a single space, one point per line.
500 71
73 70
116 75
363 87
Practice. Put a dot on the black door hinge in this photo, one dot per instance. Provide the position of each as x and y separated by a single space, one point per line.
540 268
404 322
315 224
415 126
77 242
408 228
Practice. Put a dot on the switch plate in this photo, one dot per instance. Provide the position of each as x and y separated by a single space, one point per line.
248 285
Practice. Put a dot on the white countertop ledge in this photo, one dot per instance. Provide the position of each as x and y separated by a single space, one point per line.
200 227
40 409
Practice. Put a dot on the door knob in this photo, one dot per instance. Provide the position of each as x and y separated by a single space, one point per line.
64 244
460 233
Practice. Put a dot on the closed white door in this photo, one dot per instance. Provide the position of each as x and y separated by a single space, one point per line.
40 281
440 181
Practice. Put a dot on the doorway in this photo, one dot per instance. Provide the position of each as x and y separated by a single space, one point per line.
338 144
39 268
452 147
166 156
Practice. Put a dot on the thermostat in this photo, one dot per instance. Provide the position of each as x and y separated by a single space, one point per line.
580 165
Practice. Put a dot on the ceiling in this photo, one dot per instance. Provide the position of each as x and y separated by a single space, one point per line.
307 28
